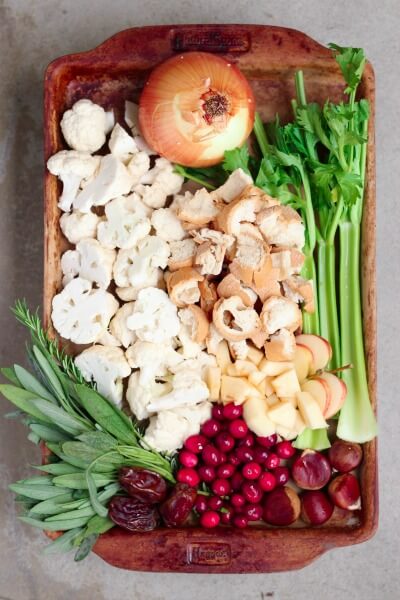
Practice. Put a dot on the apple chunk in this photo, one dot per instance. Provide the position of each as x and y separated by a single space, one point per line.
284 414
286 384
255 413
338 394
320 390
310 411
271 368
303 361
320 349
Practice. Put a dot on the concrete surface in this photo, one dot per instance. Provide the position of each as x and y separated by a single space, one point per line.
33 32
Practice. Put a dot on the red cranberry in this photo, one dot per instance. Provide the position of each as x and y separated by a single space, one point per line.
282 475
227 515
237 481
252 492
214 503
210 428
196 443
234 459
244 454
209 519
285 449
267 481
225 442
253 512
238 429
238 500
225 471
189 476
267 442
206 474
188 459
272 461
201 504
251 470
248 440
232 411
316 508
211 455
221 487
260 454
218 412
240 521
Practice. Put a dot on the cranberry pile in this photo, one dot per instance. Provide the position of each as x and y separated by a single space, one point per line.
244 476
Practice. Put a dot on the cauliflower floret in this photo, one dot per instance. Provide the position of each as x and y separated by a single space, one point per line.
122 144
135 267
188 348
84 126
76 226
153 360
164 182
187 388
112 180
90 261
154 317
71 167
155 279
118 327
170 428
127 221
138 167
132 116
167 225
199 363
107 367
139 396
82 314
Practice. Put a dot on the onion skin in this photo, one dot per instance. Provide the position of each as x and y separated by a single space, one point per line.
194 107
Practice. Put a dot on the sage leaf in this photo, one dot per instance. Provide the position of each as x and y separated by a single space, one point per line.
106 414
23 400
98 440
97 506
49 373
98 524
57 526
31 384
58 468
109 492
72 514
8 373
85 547
52 506
77 481
37 492
38 480
87 455
48 434
64 543
76 462
60 418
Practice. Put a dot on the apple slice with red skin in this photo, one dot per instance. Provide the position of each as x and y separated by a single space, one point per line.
303 361
320 349
338 394
320 390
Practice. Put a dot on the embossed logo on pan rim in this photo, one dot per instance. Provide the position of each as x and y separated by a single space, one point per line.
211 41
208 553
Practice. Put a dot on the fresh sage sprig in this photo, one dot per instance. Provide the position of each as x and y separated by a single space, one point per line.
89 438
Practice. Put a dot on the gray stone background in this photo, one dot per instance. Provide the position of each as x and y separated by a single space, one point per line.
32 33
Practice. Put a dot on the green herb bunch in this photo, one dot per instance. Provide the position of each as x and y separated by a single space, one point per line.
89 439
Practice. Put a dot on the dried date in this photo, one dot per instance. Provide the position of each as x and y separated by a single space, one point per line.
133 514
178 506
141 483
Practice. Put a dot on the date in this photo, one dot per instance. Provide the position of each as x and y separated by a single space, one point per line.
141 483
178 506
133 514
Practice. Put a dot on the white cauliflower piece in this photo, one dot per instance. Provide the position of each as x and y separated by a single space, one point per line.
169 429
154 318
188 388
138 166
167 225
125 224
121 144
199 363
188 348
143 147
153 360
164 182
84 126
82 314
71 167
112 180
132 116
90 261
135 267
76 226
139 396
107 339
118 326
107 367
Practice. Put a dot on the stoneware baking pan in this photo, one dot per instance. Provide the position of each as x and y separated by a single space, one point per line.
269 56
